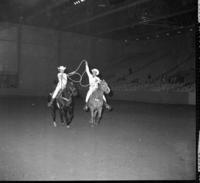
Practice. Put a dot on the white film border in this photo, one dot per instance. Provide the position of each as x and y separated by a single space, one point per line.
198 11
199 152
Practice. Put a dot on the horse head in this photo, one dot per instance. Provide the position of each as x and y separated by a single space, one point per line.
104 86
72 89
64 98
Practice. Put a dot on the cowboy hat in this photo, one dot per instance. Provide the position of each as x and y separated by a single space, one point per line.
95 70
61 68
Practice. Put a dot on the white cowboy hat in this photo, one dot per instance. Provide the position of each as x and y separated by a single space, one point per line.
96 70
61 68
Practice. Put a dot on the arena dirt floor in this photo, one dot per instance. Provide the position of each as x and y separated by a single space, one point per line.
136 141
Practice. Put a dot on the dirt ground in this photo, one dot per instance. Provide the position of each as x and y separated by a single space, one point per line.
136 141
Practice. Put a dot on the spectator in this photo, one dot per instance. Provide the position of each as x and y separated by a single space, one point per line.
164 78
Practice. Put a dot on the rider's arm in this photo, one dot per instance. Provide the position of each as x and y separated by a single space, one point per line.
59 77
87 70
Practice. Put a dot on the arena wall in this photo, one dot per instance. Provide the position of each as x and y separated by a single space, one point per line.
154 56
187 98
164 55
34 53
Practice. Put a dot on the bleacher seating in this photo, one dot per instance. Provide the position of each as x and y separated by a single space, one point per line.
174 83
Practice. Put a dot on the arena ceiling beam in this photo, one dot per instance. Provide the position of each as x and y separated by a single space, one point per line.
45 9
109 12
161 32
166 16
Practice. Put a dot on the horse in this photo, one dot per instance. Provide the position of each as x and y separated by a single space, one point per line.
64 104
96 103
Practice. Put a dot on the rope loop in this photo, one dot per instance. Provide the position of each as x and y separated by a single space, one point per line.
80 75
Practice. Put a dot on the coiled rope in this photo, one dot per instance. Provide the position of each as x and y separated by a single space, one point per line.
80 75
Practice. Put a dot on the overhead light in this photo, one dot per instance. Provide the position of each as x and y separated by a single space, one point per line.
102 5
78 2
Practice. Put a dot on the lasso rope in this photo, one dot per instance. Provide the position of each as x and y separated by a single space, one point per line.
80 75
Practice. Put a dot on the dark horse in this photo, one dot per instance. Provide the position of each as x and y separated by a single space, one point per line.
96 102
64 104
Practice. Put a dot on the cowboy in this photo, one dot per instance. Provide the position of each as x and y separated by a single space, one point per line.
94 80
62 82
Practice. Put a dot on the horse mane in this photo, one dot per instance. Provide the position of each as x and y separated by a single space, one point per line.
98 92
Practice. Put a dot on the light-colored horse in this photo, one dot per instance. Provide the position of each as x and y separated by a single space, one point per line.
96 102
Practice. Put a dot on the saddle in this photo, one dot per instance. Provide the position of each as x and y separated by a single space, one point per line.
62 95
59 94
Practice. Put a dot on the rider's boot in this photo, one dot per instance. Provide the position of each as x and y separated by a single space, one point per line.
86 107
50 103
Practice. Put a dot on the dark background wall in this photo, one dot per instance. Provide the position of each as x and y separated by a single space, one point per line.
98 52
32 55
35 53
8 49
154 56
170 55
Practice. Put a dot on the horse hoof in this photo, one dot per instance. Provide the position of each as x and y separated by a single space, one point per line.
54 123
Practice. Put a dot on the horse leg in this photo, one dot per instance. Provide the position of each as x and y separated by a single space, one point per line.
92 117
61 111
53 113
99 114
67 120
70 113
95 116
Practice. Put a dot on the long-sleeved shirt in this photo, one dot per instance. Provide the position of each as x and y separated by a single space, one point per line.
62 78
93 80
